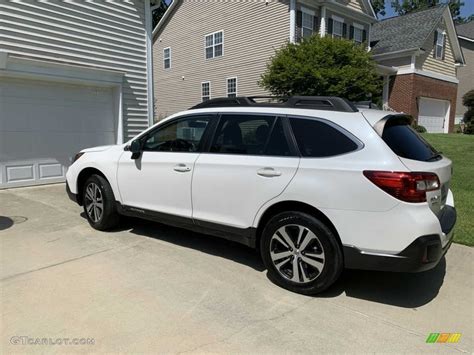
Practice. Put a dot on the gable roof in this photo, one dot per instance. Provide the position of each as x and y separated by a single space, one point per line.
409 33
466 30
405 32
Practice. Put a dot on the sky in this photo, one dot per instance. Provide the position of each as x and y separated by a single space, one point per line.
466 10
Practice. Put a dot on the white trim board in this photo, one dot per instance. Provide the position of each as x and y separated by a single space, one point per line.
451 79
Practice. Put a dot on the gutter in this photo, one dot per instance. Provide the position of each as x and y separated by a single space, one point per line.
292 21
401 53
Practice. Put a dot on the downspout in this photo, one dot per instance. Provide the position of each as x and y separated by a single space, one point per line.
322 28
292 21
149 61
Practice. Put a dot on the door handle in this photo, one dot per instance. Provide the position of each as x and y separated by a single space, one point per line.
181 168
268 172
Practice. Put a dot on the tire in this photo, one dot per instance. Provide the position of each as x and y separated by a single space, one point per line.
312 249
99 189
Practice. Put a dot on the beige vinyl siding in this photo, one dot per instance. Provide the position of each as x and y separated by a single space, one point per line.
465 74
99 34
428 62
252 32
353 4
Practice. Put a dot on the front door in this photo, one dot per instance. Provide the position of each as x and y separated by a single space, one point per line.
250 162
160 179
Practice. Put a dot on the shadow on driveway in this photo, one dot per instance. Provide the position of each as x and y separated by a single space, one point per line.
408 290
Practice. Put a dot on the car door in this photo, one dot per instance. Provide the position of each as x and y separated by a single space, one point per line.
160 179
250 161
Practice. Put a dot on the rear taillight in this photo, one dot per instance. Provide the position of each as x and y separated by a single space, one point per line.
408 187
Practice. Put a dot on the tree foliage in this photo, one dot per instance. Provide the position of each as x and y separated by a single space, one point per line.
403 7
160 11
322 66
468 101
378 6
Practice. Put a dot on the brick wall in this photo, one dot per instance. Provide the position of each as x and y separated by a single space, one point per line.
406 89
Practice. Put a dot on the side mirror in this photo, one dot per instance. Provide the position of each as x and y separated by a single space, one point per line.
136 149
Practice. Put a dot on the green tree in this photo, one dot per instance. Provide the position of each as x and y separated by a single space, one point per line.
322 66
468 101
403 7
160 11
378 6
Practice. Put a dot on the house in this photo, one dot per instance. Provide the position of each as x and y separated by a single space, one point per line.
466 73
419 54
206 49
73 74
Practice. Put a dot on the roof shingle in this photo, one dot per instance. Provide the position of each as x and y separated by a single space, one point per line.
466 30
405 32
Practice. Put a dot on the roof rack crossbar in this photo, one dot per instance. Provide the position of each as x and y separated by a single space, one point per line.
329 103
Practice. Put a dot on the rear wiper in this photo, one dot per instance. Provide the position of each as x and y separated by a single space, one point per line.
436 156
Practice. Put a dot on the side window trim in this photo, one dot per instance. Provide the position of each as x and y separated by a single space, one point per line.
342 130
147 135
286 129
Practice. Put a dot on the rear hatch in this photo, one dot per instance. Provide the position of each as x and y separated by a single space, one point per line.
417 155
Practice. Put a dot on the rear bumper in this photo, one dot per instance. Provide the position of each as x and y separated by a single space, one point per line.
422 254
72 196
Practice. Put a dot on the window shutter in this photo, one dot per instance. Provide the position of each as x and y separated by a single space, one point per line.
344 30
299 19
315 24
351 32
364 35
434 43
299 26
329 31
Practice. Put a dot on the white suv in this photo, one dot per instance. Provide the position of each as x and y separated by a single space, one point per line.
312 182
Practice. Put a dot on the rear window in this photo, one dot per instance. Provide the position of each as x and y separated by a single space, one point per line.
318 139
407 143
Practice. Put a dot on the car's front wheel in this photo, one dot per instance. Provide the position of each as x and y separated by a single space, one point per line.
99 203
301 253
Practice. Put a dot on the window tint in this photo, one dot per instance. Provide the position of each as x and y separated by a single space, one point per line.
181 136
278 144
407 143
250 135
318 139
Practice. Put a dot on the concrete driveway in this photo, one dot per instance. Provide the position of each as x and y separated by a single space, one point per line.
152 288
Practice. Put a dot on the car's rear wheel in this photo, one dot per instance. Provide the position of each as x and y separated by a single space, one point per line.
99 203
301 253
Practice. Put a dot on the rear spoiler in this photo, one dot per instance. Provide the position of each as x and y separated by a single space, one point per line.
394 119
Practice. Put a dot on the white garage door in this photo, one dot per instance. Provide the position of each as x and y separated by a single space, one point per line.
434 115
43 124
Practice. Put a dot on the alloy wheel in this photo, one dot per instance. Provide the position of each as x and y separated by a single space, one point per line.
297 253
94 202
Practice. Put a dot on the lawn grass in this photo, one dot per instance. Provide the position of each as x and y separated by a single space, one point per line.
460 149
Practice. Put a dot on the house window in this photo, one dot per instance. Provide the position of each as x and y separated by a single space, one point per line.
231 87
205 91
358 34
337 29
307 23
167 58
214 44
439 47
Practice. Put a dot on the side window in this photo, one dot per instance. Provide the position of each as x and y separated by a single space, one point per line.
180 136
277 143
318 139
242 134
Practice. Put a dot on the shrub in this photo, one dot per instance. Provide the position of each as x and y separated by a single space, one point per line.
468 101
322 66
418 128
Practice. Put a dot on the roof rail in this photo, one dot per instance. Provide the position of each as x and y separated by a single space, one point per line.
329 103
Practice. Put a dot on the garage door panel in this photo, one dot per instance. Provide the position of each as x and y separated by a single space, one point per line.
433 114
43 124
